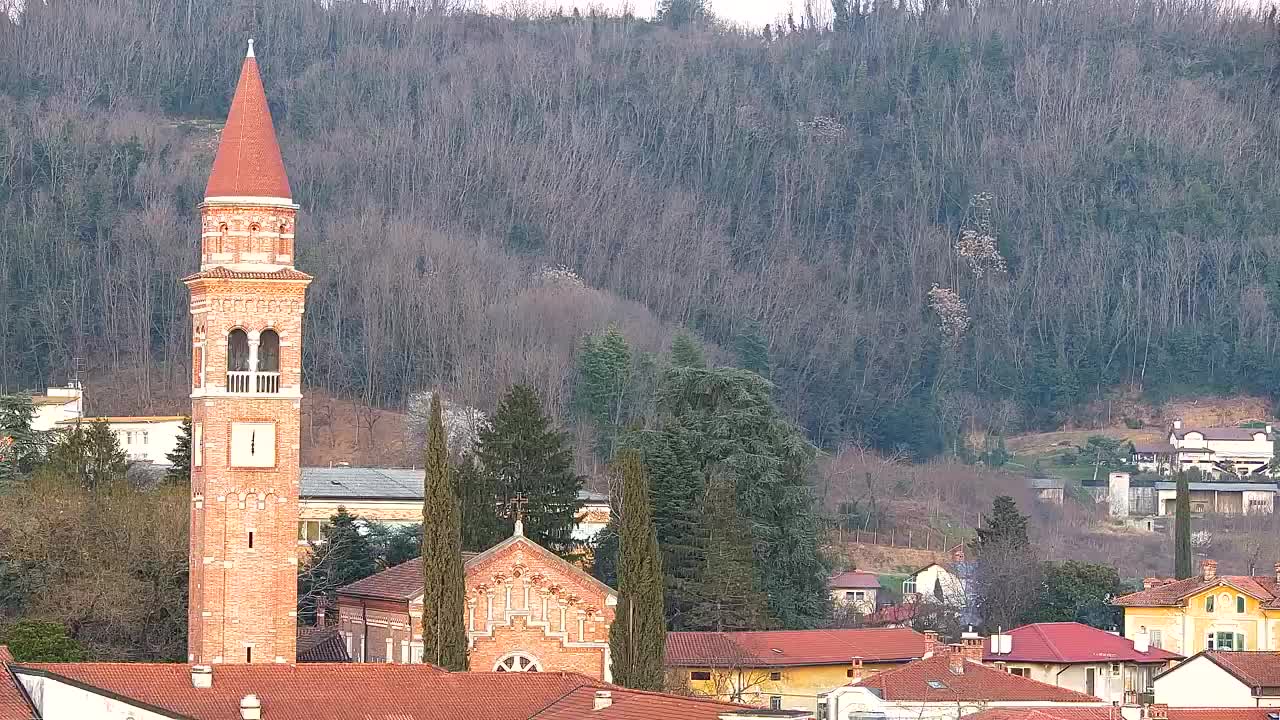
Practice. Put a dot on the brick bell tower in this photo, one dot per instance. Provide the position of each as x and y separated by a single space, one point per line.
246 382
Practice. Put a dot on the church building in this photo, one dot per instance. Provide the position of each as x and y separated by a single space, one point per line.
246 390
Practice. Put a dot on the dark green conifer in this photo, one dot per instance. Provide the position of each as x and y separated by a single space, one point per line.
638 635
444 634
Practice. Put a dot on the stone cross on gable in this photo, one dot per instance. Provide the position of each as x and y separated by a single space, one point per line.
516 506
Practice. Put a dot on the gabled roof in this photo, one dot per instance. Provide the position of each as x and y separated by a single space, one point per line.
931 680
1072 642
321 644
1254 668
855 580
1173 593
783 648
1220 433
1153 447
248 162
13 701
1113 713
401 582
221 273
359 691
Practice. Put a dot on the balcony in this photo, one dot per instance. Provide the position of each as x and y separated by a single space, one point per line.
248 382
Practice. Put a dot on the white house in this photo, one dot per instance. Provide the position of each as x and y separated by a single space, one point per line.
1212 450
144 438
1230 679
56 405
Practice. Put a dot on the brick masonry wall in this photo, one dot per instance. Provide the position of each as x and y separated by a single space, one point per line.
243 600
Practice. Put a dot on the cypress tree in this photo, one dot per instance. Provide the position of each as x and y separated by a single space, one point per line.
523 454
444 635
1182 529
637 637
179 458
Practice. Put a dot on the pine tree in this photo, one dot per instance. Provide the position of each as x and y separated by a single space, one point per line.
24 448
179 472
482 525
604 369
444 635
752 350
677 485
638 635
729 595
1004 525
1182 563
90 453
346 555
686 351
523 454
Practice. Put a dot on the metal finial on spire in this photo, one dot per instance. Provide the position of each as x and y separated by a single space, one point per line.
250 53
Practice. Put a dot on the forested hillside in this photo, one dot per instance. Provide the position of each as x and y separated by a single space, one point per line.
934 220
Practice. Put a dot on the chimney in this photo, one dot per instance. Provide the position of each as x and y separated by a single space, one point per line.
320 612
1142 641
1177 424
201 676
250 708
955 659
1268 428
1209 569
1157 712
604 699
931 641
1150 582
971 645
855 670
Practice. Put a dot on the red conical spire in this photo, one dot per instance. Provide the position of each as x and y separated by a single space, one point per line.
248 162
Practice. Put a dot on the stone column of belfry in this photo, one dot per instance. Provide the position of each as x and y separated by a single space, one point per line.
246 391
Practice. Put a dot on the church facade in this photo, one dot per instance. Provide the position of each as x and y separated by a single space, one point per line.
528 610
246 326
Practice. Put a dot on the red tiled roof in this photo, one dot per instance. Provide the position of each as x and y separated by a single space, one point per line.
403 692
1048 713
978 682
780 648
221 273
1172 593
855 580
321 644
398 582
1071 642
248 161
1255 668
1254 713
13 702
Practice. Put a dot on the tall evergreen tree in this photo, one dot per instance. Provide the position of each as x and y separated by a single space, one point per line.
444 635
686 351
677 485
523 453
729 595
638 635
604 369
1004 525
90 453
1008 571
482 524
179 458
1182 562
752 349
346 555
24 448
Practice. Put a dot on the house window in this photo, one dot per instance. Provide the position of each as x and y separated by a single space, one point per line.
1240 603
775 702
1224 641
855 596
146 436
909 586
1020 672
1157 638
128 437
1208 604
775 676
700 675
308 531
1115 669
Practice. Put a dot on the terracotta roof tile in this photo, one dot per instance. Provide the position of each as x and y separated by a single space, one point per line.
1048 713
1071 642
322 691
780 648
13 702
855 580
221 273
1172 593
1255 668
321 644
398 582
932 680
248 161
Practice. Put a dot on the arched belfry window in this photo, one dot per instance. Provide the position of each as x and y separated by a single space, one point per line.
220 242
238 351
269 351
517 662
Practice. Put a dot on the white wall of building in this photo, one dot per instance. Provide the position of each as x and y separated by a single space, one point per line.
55 406
56 700
147 441
1199 682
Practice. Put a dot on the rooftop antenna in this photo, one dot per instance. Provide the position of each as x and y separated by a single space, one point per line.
77 368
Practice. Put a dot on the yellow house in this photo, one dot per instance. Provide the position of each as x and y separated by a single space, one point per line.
786 669
1205 612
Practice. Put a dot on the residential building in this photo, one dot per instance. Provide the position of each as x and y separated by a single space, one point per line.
393 496
246 391
785 668
1206 612
56 405
949 684
948 584
143 438
856 589
1233 451
1126 712
331 691
527 610
1081 658
1222 497
1229 678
